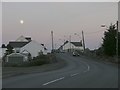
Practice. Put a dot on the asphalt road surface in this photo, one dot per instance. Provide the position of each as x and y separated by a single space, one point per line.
78 73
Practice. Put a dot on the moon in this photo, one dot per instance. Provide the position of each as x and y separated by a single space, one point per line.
21 21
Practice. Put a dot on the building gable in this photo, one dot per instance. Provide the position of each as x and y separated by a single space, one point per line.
21 39
17 44
77 44
33 48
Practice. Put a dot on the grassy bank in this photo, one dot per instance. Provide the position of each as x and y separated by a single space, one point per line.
103 58
56 64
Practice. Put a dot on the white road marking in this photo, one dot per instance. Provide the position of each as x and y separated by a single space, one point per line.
53 81
88 67
74 74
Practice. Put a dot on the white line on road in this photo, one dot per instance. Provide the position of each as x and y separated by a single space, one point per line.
53 81
88 67
74 74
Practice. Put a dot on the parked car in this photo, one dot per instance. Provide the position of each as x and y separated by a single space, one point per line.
75 53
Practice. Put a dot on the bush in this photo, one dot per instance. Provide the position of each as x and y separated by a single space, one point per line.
37 61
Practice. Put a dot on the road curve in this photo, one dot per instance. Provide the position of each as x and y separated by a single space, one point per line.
78 73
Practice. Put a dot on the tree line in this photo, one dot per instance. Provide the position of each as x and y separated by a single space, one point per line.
109 43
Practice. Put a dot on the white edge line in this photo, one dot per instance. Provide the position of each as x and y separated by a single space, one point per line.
53 81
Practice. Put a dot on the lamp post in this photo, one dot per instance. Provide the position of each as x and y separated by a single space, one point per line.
116 38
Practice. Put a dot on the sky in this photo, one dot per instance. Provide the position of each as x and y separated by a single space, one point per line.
63 18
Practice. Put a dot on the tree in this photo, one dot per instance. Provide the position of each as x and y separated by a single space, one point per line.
109 41
9 49
29 57
3 46
119 43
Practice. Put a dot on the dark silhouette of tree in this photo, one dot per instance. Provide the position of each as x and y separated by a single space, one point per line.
119 43
9 49
29 57
109 41
3 46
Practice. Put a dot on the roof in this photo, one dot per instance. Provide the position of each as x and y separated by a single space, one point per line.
22 39
28 38
77 43
17 44
63 44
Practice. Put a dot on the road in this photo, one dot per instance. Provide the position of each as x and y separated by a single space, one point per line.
79 72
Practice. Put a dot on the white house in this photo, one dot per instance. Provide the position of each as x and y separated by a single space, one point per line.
33 48
25 45
2 52
72 46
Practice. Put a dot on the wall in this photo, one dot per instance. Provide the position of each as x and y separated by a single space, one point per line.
33 48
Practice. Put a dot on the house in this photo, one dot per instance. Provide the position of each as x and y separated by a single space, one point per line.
71 46
2 52
17 45
33 48
25 47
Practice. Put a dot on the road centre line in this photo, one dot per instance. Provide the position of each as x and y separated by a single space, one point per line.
88 67
53 81
74 74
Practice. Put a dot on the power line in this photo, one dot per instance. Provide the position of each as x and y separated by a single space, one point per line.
94 32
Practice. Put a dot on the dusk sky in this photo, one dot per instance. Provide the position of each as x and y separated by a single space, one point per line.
64 18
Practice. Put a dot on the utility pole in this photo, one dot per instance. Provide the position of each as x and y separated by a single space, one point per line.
55 46
52 41
70 42
83 40
117 41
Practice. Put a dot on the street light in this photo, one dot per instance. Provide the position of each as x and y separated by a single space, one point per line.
116 38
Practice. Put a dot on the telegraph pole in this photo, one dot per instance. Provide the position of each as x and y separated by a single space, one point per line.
52 41
83 40
70 42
